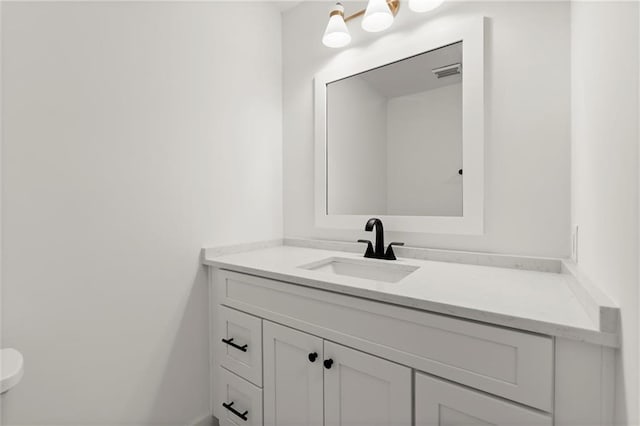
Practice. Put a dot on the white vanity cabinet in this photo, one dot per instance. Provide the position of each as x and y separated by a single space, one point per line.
309 381
309 357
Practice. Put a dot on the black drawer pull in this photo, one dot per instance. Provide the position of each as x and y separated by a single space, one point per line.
229 342
313 356
229 407
328 363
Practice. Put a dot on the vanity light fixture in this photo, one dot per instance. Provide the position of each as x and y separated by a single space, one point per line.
378 16
337 33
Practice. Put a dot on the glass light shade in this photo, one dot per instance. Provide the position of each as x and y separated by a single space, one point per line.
378 16
336 35
421 6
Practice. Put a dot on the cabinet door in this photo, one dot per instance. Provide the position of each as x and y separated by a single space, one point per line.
292 377
363 390
440 403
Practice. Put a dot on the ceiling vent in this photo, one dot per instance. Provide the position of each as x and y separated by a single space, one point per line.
447 70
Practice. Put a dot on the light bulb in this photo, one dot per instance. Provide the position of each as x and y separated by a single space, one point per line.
336 35
421 6
378 16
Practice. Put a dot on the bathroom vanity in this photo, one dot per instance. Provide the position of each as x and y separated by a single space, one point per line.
303 336
311 333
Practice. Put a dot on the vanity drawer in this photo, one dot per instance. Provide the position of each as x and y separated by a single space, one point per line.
512 364
240 402
241 344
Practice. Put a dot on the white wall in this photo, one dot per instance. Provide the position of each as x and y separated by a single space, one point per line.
424 153
357 149
604 42
528 150
134 134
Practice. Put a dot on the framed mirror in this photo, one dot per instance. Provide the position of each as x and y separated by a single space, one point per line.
400 135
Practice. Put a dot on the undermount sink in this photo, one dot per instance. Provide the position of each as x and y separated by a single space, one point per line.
361 268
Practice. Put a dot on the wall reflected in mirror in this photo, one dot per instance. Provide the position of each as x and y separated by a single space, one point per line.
394 138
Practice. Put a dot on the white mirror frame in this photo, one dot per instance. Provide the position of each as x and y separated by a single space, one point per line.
471 33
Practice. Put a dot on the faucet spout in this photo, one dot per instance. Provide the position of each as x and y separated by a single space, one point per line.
378 252
379 246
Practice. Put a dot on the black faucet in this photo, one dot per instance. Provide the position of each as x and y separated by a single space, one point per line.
378 252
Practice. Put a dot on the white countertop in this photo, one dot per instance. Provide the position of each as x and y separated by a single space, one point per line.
542 302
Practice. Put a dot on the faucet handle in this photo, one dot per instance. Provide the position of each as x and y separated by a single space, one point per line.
390 255
369 252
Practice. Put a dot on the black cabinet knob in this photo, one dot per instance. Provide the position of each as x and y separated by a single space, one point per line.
328 363
313 356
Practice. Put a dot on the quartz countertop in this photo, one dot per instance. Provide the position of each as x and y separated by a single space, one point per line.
540 302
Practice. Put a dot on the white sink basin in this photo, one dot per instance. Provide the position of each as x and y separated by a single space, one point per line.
376 270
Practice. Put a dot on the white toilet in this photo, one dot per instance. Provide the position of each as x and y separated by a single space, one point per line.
11 368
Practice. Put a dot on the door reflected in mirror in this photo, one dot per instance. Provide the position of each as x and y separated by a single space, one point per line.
394 138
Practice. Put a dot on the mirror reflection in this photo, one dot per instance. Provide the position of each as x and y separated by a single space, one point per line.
394 138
